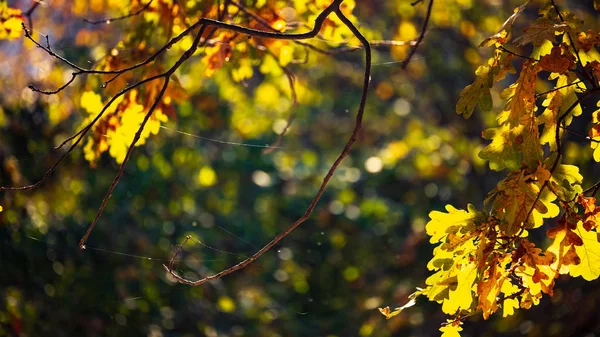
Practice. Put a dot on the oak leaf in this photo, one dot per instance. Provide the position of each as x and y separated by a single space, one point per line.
589 253
587 40
501 35
591 215
558 61
540 30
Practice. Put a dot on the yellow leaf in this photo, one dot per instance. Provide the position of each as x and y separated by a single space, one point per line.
514 199
91 102
462 297
502 152
11 22
549 118
479 91
500 36
286 54
509 306
492 282
594 133
589 253
441 224
386 311
518 134
451 330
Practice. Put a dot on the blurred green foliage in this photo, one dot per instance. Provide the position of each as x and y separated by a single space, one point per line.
363 248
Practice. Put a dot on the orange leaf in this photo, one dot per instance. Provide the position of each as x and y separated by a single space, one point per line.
557 61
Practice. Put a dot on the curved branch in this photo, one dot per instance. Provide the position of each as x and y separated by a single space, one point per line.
412 52
122 166
79 135
123 17
29 13
167 76
326 179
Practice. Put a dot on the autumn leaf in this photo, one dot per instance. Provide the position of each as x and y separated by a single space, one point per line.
558 61
455 221
587 40
563 246
456 272
510 302
451 329
536 271
593 67
591 218
589 254
91 102
492 282
517 138
11 22
387 313
595 133
217 54
115 131
412 301
566 180
549 118
479 91
540 30
516 202
501 35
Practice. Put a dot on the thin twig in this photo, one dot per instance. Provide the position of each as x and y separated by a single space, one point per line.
79 135
594 189
317 197
292 83
586 137
558 88
203 22
167 76
30 11
123 17
413 50
517 55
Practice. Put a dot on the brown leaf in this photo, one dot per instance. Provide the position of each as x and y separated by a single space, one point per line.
557 61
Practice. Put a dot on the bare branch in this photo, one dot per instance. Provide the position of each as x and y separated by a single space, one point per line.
122 166
167 76
292 116
593 189
54 92
558 88
123 17
29 13
421 36
326 179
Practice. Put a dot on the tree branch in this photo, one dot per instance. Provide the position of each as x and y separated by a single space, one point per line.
326 179
413 50
123 17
